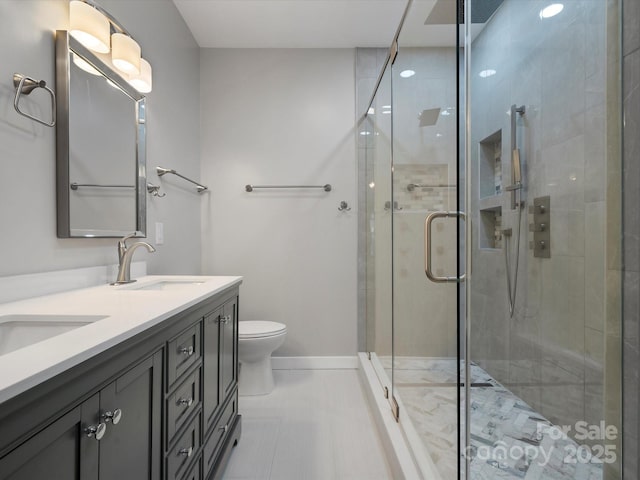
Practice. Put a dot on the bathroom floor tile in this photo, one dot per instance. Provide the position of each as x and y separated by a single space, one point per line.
316 424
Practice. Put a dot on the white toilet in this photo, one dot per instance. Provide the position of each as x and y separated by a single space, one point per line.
256 341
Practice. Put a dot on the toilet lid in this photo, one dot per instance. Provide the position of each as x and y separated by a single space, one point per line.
259 328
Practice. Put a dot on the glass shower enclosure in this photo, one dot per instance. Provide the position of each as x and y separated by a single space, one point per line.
493 185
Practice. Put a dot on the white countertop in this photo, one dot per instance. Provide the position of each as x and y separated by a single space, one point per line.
128 309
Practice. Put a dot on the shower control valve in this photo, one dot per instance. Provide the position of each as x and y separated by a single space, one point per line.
537 227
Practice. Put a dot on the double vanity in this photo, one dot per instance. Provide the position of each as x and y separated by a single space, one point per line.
134 381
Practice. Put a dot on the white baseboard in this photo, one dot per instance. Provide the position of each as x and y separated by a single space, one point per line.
314 363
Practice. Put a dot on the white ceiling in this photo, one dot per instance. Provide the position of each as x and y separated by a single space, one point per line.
292 23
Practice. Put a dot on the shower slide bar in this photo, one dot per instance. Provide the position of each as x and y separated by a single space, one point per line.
75 186
163 171
516 172
251 188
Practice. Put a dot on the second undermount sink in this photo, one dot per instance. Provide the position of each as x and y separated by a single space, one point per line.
167 285
18 331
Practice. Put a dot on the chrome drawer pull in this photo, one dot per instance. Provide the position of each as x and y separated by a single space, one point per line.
185 451
113 417
224 428
186 351
96 431
185 401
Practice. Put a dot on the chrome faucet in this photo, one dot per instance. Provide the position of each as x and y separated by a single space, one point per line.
124 258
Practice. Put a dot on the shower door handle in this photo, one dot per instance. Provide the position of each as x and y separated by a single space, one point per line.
427 247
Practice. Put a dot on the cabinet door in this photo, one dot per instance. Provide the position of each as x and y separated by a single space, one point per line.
211 393
131 447
62 450
229 349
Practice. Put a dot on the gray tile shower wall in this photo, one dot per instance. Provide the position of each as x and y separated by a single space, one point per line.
631 222
552 352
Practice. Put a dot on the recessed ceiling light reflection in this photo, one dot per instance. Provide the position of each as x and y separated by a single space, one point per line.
371 111
372 185
365 133
407 73
551 10
487 73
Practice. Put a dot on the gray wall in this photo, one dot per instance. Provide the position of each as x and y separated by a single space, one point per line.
27 150
283 117
631 159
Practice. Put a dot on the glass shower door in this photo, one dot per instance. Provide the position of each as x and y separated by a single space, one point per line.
425 316
375 135
543 320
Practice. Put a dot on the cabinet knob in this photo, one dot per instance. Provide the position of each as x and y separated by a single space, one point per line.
96 431
113 417
226 319
185 401
185 451
188 351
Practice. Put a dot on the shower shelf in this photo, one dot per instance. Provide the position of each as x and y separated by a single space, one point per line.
490 229
490 165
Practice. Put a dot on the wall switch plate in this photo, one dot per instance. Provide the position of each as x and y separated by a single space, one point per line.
159 233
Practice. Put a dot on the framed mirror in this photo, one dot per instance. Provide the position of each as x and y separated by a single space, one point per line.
100 147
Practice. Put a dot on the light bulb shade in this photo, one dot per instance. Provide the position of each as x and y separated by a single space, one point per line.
125 53
81 63
143 81
89 26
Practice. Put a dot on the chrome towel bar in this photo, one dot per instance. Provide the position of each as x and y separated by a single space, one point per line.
163 171
412 186
75 186
251 188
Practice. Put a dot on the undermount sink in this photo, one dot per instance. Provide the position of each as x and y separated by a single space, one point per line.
167 285
18 331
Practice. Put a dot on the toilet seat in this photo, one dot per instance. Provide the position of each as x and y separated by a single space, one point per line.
260 329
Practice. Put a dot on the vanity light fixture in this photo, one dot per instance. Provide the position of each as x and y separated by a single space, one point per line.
143 82
81 63
97 30
89 26
125 53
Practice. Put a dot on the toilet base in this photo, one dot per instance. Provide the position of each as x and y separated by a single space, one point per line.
255 378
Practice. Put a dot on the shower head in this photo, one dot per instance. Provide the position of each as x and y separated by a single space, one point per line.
429 117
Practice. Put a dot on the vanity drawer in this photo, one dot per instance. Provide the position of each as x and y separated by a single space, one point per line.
182 403
219 432
183 352
184 452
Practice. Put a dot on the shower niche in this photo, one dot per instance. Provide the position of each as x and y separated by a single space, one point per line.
490 152
490 190
490 228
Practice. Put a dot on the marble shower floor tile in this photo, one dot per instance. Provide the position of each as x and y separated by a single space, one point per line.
500 422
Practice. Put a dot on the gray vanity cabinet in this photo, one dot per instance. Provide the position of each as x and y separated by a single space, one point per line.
163 404
221 379
137 397
70 449
61 450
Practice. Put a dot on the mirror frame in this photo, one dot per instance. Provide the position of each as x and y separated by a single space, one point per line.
65 45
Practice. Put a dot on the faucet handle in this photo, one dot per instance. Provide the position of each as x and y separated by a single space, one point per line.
124 239
122 245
